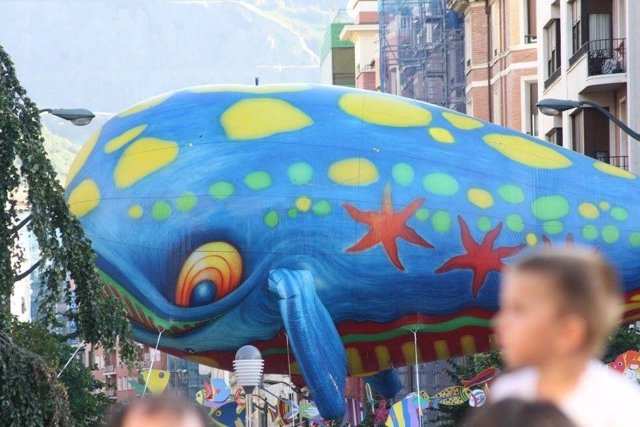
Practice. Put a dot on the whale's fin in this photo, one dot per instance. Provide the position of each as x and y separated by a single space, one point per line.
386 383
314 339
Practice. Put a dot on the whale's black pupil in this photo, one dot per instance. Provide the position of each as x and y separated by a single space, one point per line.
203 293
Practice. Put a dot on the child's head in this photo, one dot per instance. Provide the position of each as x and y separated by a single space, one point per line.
555 303
514 412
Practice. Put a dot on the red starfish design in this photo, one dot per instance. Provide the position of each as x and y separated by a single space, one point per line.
481 258
386 226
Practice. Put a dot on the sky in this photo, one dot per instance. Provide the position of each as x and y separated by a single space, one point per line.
106 55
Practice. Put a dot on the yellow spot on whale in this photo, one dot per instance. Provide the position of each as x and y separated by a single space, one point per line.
135 212
353 172
145 105
262 117
480 198
303 204
84 198
462 122
527 152
612 170
441 135
142 158
468 344
120 141
588 210
409 352
605 206
384 357
354 360
442 349
82 157
251 89
531 239
383 110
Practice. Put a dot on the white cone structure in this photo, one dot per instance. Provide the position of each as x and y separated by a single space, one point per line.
248 366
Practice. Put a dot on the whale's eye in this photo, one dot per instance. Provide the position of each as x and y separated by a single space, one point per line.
211 271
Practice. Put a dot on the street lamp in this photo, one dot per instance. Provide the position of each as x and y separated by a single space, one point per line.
553 107
248 366
77 116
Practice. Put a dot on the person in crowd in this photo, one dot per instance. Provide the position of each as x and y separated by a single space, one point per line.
162 411
557 308
519 413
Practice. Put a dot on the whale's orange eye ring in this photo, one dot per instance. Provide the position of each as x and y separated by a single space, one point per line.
211 272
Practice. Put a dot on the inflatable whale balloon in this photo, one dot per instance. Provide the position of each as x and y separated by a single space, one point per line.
327 225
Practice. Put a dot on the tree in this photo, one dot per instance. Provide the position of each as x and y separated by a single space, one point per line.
29 389
87 405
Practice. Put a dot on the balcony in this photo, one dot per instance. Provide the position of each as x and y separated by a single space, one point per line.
110 369
621 162
606 57
598 65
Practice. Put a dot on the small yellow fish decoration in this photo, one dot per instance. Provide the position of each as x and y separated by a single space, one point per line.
157 380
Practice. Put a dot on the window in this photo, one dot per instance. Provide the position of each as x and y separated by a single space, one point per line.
530 33
531 125
555 136
495 28
553 46
576 31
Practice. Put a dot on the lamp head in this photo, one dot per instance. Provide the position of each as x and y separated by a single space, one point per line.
77 116
553 107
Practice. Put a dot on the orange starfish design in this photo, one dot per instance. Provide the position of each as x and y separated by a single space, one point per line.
481 258
386 226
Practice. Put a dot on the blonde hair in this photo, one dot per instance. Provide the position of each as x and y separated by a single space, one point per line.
587 285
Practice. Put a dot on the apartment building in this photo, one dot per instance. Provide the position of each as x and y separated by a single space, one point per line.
363 33
337 59
501 67
588 50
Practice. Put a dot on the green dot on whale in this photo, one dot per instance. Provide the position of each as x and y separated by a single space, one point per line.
271 219
610 233
161 210
511 193
422 214
321 208
292 213
484 223
403 174
440 184
550 207
441 221
515 223
186 202
553 227
221 190
300 173
619 213
634 239
590 232
258 180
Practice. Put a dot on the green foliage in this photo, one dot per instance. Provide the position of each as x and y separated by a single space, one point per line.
67 258
87 407
622 339
60 152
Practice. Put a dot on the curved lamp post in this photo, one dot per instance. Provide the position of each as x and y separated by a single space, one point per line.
77 116
553 107
248 366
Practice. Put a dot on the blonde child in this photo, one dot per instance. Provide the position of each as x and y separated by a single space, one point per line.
557 309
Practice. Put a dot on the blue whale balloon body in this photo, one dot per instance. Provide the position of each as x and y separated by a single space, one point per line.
327 225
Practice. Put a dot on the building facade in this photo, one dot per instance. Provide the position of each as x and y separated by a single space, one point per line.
500 57
422 51
337 60
363 34
588 51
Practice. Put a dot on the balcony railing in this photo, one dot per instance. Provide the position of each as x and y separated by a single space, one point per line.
621 162
606 56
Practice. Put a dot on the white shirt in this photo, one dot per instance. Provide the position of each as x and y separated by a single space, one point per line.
602 397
